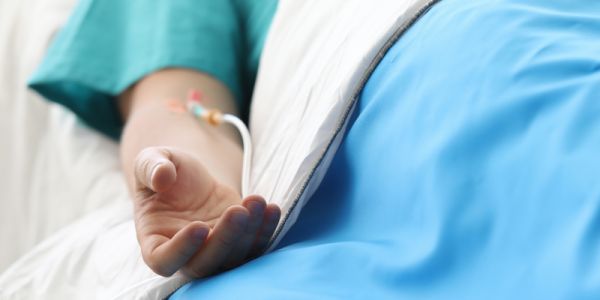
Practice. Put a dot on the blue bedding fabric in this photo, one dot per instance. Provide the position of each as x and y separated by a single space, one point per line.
471 169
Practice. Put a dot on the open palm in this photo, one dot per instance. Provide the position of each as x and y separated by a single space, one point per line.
187 220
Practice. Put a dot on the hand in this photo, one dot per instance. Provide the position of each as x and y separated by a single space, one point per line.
187 220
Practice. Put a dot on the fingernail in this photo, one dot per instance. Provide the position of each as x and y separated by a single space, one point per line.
239 219
256 207
151 175
154 170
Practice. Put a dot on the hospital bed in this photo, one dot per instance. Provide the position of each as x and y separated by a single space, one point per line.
456 158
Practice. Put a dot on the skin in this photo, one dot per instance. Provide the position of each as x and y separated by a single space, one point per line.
184 177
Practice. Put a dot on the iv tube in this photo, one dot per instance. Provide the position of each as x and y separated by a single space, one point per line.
216 118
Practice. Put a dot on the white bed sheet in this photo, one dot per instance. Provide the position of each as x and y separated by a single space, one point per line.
52 171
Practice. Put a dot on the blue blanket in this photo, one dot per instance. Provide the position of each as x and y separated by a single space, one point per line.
471 169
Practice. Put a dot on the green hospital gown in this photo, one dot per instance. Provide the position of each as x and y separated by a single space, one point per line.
107 45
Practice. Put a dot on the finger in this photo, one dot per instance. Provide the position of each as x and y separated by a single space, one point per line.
256 206
154 169
270 221
165 256
222 240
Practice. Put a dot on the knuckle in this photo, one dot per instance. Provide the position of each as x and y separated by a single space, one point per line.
141 162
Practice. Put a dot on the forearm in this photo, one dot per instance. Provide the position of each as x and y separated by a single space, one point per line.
150 122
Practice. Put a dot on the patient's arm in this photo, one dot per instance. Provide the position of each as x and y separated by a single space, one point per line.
185 176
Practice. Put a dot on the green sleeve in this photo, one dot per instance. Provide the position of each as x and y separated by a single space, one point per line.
107 45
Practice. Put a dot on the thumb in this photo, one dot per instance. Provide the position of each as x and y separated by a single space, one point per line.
155 170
